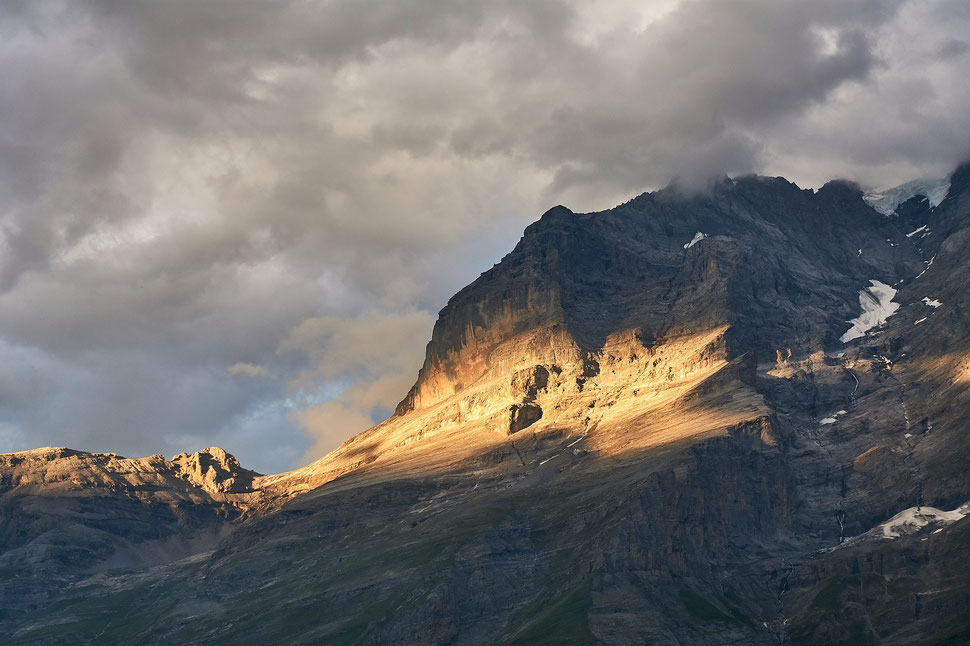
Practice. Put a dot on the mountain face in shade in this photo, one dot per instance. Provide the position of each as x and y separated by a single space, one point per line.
641 426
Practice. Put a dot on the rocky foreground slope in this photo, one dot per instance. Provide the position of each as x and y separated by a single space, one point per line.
736 417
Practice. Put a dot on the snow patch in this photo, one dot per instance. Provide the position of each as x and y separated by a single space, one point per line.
914 232
932 302
920 321
929 264
877 306
833 418
697 238
912 520
887 201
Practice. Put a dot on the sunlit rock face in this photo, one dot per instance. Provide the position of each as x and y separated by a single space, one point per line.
210 473
214 471
646 425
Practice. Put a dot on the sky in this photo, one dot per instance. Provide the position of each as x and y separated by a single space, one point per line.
232 222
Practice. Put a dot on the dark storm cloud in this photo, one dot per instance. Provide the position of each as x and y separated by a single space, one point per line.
201 202
954 48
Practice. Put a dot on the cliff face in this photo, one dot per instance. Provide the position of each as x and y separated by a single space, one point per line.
778 264
642 426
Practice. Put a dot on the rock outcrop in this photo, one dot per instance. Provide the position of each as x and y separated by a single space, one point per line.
214 471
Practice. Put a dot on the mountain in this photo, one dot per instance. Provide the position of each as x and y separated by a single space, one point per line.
698 418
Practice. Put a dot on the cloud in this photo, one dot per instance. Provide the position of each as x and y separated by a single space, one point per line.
908 120
377 356
246 369
330 423
190 186
368 345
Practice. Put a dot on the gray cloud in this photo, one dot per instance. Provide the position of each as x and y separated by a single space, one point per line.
203 205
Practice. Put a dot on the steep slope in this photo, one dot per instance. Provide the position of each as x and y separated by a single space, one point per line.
640 427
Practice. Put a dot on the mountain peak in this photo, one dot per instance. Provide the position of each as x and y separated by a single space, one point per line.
576 280
214 470
557 211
